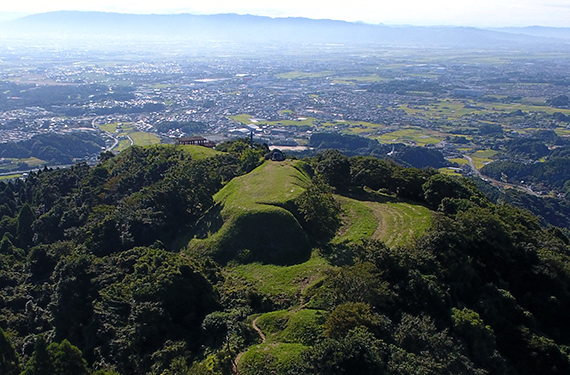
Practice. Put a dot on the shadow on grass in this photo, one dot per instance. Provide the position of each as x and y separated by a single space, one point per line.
210 223
207 225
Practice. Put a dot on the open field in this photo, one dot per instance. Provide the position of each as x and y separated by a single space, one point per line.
127 130
406 135
273 183
282 354
399 223
459 160
248 120
289 280
392 221
358 79
144 139
454 109
285 334
449 172
290 326
484 154
359 221
480 162
11 176
111 128
32 162
199 152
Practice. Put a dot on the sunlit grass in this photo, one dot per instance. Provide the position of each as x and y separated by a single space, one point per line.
289 280
480 162
144 139
459 160
11 176
417 135
485 153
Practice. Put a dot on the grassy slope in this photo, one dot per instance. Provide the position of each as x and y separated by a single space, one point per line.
387 219
287 335
199 152
252 220
274 280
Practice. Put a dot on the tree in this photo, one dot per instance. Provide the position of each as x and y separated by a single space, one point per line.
41 362
320 211
369 171
358 353
24 232
440 186
67 359
348 316
334 168
9 364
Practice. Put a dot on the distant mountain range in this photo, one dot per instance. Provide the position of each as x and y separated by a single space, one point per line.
258 29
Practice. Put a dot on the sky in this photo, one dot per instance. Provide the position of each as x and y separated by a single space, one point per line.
478 13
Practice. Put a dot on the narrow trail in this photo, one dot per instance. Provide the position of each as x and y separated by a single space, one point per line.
254 325
238 357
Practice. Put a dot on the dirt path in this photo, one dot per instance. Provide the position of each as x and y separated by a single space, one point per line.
238 357
388 218
254 325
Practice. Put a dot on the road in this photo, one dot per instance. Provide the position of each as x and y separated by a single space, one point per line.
496 182
115 139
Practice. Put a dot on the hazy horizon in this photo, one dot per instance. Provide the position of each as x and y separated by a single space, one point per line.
484 13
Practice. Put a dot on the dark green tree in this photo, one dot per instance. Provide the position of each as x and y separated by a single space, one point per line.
369 171
334 168
67 359
24 232
41 362
320 211
9 363
440 186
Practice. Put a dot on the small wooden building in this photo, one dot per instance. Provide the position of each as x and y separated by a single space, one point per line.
199 141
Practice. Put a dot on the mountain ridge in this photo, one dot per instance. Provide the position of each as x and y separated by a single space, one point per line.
261 29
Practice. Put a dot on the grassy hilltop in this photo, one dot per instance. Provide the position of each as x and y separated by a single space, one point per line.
253 218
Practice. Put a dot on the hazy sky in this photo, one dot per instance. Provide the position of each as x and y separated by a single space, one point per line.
414 12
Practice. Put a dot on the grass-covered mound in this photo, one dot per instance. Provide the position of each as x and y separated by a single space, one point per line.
253 219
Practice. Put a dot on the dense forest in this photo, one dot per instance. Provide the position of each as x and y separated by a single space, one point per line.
353 145
54 148
96 276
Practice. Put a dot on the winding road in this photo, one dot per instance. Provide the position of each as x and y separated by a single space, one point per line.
499 183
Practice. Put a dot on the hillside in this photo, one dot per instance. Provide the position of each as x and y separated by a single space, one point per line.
392 221
330 265
253 218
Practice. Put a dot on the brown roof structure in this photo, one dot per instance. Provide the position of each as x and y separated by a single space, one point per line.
200 141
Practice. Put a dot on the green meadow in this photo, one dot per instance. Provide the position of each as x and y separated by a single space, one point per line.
411 134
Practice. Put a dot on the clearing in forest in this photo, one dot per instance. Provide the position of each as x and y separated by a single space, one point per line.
395 222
